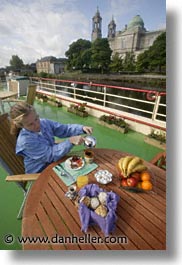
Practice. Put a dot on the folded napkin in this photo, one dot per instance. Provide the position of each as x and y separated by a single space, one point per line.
87 168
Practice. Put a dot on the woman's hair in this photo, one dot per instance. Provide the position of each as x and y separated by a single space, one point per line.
17 113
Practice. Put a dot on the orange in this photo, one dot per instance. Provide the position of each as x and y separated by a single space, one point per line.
146 185
145 176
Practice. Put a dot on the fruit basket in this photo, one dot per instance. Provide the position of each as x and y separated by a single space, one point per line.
134 175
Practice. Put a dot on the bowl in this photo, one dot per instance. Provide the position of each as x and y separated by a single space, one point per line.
103 176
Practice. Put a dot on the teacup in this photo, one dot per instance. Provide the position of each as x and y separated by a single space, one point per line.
88 156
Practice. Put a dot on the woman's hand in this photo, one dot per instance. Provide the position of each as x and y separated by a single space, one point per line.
76 140
87 130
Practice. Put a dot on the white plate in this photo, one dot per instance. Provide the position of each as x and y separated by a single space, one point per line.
68 164
103 176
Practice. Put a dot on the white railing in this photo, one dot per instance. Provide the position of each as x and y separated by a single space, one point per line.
130 103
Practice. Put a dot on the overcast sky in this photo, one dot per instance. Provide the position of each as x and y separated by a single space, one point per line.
38 28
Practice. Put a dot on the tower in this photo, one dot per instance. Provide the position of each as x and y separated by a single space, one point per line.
111 29
96 26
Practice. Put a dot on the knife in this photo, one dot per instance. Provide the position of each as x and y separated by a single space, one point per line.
67 173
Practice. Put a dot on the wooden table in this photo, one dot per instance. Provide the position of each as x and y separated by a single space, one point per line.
141 223
5 95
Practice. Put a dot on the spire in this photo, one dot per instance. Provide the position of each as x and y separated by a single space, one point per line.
96 26
111 29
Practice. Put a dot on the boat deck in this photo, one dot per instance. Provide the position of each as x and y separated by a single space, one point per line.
132 142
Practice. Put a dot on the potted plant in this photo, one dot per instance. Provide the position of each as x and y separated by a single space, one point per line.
41 97
78 109
113 122
54 101
156 138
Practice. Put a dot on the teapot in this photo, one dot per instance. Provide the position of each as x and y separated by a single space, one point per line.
90 141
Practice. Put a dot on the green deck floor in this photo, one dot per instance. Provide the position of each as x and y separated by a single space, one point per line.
11 196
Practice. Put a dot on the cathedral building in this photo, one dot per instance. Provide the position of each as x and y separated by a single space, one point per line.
133 38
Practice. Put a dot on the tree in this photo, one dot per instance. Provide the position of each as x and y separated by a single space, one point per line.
142 63
86 58
16 62
129 62
154 58
74 53
116 64
157 53
101 54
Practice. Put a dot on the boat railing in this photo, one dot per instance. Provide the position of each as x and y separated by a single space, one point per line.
140 105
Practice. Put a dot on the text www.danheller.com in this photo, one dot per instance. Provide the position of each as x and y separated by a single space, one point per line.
72 239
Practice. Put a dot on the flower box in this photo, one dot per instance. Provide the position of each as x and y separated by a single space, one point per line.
41 98
113 122
154 142
78 110
55 103
123 129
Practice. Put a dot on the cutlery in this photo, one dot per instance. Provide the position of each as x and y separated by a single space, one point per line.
61 171
65 173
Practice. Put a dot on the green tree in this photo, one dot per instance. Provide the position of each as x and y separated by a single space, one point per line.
74 53
129 62
154 59
101 54
157 53
16 62
116 64
86 58
142 62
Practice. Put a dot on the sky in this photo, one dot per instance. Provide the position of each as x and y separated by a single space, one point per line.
33 29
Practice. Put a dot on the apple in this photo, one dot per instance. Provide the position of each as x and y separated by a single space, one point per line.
124 182
132 182
136 175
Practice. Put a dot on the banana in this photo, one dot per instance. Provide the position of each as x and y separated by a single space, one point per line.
132 164
125 164
139 168
120 163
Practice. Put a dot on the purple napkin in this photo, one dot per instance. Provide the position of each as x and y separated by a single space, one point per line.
89 217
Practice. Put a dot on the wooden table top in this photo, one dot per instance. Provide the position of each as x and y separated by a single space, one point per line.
141 217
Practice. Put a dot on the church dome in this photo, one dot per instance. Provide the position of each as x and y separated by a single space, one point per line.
137 21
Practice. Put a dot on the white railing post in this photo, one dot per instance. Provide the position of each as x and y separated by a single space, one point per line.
73 85
105 92
156 106
55 87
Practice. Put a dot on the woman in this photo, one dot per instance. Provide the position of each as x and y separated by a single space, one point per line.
35 137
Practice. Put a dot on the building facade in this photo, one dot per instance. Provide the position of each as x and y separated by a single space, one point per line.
133 38
51 65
